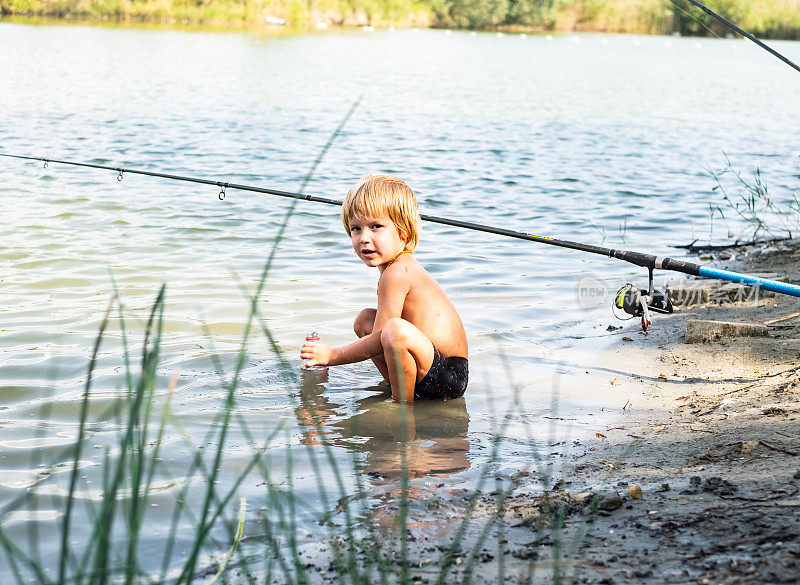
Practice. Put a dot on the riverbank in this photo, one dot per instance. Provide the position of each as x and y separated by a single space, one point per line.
696 481
772 19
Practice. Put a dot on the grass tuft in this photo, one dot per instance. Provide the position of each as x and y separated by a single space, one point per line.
748 200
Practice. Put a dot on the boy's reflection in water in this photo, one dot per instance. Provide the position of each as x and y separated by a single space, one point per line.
433 434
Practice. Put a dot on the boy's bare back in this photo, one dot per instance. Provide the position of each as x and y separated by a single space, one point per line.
425 305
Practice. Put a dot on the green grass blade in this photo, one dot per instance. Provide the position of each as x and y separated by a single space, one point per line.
236 540
84 413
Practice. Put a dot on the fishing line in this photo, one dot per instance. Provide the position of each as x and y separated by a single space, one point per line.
694 18
741 31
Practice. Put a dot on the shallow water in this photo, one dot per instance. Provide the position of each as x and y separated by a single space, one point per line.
596 138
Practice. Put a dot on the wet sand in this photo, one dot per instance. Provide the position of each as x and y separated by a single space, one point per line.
697 480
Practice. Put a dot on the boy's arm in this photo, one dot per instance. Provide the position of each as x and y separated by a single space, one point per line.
392 290
364 348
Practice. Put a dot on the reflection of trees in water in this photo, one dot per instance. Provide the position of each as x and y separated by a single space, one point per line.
433 434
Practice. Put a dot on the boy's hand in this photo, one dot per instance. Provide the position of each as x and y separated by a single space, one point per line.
316 353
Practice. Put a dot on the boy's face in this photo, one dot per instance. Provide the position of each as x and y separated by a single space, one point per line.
376 240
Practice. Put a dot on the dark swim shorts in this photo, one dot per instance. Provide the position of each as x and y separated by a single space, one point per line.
446 379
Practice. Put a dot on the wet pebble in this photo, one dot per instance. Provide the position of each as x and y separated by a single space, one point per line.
609 502
717 485
694 485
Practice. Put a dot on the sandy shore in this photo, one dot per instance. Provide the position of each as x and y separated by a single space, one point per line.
711 438
696 481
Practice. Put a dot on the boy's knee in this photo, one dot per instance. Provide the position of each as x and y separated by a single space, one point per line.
396 334
364 322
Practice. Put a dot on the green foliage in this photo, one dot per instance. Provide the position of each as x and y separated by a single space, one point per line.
477 13
776 20
484 14
767 18
638 16
536 13
19 6
396 10
690 20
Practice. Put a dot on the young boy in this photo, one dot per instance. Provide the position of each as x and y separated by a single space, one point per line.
414 336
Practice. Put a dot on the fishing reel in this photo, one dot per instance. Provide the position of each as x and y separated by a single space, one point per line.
638 302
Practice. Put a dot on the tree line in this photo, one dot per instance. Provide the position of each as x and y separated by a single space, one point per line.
766 18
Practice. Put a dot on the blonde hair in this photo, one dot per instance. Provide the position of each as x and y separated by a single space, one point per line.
384 196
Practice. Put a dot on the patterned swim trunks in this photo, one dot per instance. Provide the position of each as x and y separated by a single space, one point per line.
446 379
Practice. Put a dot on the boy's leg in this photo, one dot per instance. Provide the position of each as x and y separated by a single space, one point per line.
409 355
363 325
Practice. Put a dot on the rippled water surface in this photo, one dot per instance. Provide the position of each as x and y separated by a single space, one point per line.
597 138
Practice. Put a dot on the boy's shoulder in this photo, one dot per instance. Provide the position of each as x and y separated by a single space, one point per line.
407 273
404 267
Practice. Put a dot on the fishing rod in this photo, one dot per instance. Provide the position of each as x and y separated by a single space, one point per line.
743 32
634 301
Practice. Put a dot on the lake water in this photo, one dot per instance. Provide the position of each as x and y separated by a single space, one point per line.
603 139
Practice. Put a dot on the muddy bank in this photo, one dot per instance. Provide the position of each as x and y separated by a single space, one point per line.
697 481
712 439
700 476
